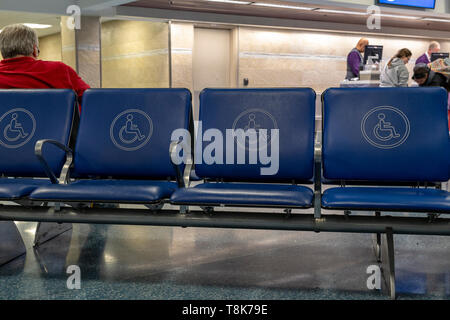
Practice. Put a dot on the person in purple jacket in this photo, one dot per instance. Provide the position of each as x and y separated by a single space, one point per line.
355 59
434 47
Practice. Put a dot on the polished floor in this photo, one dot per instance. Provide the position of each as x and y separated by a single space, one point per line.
144 262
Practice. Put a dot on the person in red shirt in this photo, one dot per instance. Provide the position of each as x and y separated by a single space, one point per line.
20 68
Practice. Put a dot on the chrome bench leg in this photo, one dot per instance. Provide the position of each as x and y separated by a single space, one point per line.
388 262
46 231
377 242
11 242
377 246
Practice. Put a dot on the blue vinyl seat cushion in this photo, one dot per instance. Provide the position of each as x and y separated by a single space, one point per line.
129 191
390 199
245 194
11 189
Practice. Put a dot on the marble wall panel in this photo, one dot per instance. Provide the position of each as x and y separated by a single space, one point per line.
51 47
135 54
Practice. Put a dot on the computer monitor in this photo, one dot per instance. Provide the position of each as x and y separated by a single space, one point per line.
376 52
439 55
429 4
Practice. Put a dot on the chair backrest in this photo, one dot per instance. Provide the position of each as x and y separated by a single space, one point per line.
27 116
288 111
127 132
385 134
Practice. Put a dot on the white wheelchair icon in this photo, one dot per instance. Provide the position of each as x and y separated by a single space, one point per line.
253 125
384 130
130 129
14 131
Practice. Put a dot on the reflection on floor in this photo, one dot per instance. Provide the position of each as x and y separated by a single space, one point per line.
143 262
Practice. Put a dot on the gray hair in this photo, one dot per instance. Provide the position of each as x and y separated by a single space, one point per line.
434 45
16 40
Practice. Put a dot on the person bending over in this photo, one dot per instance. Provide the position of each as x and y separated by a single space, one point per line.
425 77
395 73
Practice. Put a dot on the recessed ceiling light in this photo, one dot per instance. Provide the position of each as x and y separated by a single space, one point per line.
37 25
342 12
435 19
365 14
398 16
231 1
273 5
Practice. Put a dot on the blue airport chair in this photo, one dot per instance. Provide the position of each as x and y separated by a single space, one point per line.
230 181
122 148
386 136
381 145
27 116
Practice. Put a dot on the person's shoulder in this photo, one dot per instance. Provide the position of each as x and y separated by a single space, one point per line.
353 55
404 67
442 77
437 78
54 65
421 59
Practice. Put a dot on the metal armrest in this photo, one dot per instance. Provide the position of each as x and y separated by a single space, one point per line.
182 179
69 158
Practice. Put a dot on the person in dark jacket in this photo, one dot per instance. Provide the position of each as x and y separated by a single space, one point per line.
355 59
425 77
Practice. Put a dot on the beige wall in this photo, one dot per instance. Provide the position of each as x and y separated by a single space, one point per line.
135 54
182 43
283 58
50 47
212 62
270 57
182 36
88 49
68 50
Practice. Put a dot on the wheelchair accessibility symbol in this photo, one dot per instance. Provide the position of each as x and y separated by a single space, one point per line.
385 127
131 130
17 127
261 121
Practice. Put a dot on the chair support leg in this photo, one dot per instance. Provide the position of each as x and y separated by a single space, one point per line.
11 242
388 262
377 242
377 246
46 231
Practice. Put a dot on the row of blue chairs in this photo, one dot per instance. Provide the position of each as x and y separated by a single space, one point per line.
374 137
